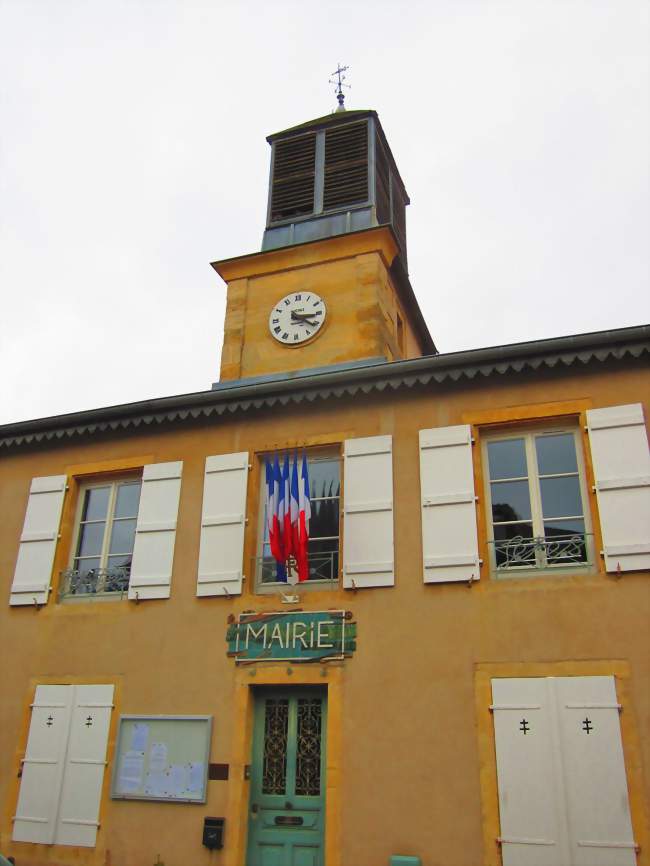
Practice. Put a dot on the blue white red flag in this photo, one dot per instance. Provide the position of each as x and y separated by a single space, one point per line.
288 510
273 478
304 514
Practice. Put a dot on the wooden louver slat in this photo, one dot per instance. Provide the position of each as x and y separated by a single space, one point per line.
346 165
293 177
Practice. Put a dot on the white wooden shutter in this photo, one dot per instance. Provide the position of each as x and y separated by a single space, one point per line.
449 538
596 785
155 533
35 818
531 809
621 461
33 573
562 785
368 512
223 519
78 816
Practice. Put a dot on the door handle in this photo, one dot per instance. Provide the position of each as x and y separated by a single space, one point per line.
254 808
288 805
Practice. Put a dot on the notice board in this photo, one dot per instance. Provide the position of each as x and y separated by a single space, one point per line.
162 758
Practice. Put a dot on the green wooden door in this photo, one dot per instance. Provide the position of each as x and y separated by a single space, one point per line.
287 800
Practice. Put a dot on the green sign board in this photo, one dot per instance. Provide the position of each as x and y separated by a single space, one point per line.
295 636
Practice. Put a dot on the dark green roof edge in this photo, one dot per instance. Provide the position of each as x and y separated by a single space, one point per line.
512 358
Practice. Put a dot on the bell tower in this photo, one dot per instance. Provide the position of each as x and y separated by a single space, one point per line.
330 285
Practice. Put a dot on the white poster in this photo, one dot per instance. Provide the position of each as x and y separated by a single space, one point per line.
131 770
158 757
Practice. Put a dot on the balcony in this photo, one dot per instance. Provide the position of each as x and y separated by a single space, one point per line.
540 553
95 583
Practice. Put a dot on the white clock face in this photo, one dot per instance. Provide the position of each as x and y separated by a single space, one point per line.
297 317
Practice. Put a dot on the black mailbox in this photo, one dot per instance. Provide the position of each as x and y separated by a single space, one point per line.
213 832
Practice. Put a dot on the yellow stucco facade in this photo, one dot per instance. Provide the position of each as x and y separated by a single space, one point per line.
410 747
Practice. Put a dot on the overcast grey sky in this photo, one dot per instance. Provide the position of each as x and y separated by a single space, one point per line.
133 153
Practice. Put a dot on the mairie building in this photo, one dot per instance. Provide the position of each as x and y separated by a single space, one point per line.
464 677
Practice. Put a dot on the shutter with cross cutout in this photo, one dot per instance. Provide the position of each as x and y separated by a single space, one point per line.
42 769
83 776
621 462
155 533
368 557
223 522
449 537
31 583
561 773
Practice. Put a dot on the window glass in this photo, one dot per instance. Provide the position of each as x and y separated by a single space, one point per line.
96 503
507 459
556 454
561 496
128 500
510 501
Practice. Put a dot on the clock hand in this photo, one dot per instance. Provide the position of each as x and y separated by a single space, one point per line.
306 319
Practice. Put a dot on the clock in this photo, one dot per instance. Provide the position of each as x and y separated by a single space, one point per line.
297 317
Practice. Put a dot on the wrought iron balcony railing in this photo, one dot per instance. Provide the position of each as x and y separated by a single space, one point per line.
541 552
322 566
113 582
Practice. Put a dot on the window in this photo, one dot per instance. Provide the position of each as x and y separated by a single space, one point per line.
104 537
536 497
323 546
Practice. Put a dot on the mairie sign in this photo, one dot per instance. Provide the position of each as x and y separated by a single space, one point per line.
296 636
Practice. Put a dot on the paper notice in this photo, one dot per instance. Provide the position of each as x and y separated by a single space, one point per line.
130 775
158 757
178 780
196 780
140 737
156 784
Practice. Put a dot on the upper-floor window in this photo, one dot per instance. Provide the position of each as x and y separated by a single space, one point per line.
104 538
324 468
536 494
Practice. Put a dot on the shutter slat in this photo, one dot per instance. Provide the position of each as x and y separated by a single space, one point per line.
368 556
448 509
223 526
621 463
155 533
33 573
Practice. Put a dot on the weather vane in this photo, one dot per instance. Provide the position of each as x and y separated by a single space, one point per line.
338 82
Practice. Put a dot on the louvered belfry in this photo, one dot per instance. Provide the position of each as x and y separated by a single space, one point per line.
330 176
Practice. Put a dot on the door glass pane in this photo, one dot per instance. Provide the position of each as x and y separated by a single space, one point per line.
91 537
510 501
276 720
507 459
95 503
556 454
308 747
128 499
561 497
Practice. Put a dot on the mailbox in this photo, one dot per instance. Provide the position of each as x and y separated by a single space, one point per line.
213 832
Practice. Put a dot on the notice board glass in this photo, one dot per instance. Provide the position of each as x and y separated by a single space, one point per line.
162 758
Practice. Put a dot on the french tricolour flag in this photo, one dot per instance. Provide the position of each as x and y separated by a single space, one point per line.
288 511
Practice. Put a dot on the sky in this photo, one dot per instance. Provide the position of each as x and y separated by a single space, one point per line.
133 154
